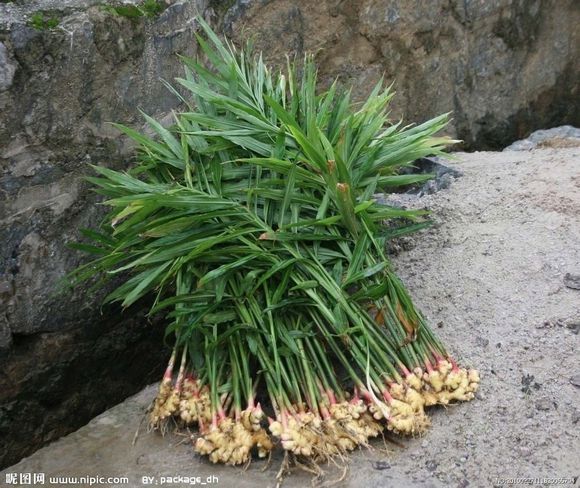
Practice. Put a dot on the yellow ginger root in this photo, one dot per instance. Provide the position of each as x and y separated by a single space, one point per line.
434 379
188 410
242 436
415 400
194 404
165 405
447 384
430 398
294 441
263 442
276 428
454 378
357 409
252 418
461 395
377 409
377 412
302 434
407 394
339 411
401 408
414 381
369 426
473 377
350 426
334 436
158 405
188 401
406 420
172 404
444 367
444 397
228 442
401 424
397 391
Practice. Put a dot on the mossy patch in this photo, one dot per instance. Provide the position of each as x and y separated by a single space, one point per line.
148 9
43 21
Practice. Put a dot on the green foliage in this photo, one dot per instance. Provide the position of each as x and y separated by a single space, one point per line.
148 8
152 8
252 218
42 21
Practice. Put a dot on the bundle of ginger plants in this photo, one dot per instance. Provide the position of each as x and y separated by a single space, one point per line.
253 225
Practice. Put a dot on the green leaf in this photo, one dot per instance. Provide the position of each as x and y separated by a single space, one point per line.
305 285
139 284
226 268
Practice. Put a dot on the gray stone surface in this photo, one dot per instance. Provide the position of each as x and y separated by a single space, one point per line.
7 69
490 269
71 82
59 89
564 136
503 67
572 281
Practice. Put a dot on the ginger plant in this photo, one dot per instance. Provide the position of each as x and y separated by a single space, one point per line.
253 225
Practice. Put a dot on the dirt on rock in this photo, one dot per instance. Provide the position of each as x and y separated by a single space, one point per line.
489 276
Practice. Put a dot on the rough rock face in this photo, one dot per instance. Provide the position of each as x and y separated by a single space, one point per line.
61 360
503 67
565 136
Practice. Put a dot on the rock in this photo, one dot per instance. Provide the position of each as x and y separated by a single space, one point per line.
574 326
381 465
523 145
7 69
528 383
564 136
575 380
571 323
431 465
544 404
57 381
443 175
83 452
64 359
485 61
572 281
525 451
5 336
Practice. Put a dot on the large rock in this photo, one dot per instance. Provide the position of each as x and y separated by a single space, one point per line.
565 136
61 360
503 67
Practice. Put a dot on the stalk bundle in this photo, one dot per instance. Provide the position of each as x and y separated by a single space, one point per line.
253 224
